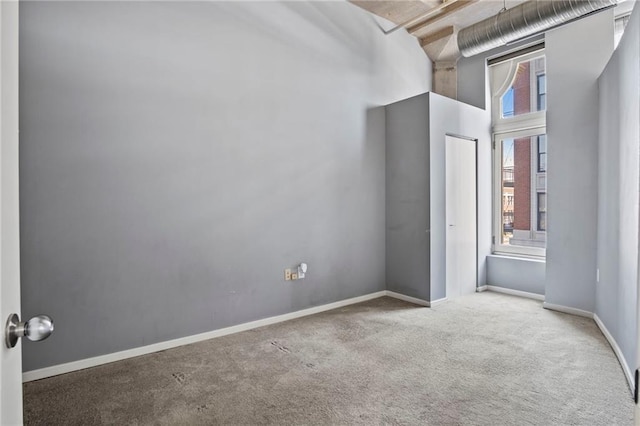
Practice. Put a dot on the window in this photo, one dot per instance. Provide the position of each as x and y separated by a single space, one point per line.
522 189
519 102
541 85
542 153
527 91
542 211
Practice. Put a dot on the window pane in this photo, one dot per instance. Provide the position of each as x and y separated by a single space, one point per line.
523 191
542 153
528 90
541 92
542 211
542 83
507 189
507 104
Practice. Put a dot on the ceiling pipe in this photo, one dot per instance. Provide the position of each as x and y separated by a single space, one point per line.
525 20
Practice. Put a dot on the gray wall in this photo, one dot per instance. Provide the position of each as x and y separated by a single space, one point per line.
176 157
576 55
618 165
516 273
407 194
416 130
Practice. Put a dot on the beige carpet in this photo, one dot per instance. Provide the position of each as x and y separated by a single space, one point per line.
484 359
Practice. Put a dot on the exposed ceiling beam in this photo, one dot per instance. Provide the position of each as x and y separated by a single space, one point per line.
445 10
438 35
433 3
416 20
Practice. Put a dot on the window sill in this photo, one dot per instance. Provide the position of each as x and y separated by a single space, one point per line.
522 257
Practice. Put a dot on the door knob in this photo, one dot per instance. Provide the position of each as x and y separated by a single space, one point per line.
36 329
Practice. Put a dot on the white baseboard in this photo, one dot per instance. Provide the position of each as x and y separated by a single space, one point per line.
567 310
409 299
156 347
617 351
415 300
515 292
481 289
144 350
438 301
614 345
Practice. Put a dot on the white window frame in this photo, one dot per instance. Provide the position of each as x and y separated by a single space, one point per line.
502 77
498 246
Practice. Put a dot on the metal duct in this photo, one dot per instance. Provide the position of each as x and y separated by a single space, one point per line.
524 20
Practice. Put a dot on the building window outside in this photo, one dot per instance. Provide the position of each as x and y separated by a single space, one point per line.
542 153
520 144
542 211
541 85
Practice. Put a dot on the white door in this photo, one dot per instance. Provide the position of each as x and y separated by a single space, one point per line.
461 236
10 359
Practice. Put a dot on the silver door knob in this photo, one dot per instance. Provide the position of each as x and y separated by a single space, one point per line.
36 329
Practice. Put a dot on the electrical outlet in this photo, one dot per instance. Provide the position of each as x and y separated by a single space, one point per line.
287 274
294 276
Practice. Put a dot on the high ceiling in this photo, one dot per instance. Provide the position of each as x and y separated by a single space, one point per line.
425 18
436 22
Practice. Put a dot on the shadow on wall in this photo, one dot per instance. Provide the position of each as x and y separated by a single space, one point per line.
315 29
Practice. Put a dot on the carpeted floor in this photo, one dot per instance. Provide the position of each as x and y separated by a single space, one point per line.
483 359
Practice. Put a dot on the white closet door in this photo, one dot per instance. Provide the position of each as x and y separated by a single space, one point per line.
461 233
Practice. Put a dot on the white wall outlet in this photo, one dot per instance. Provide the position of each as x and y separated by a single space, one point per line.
598 275
302 269
294 276
287 274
